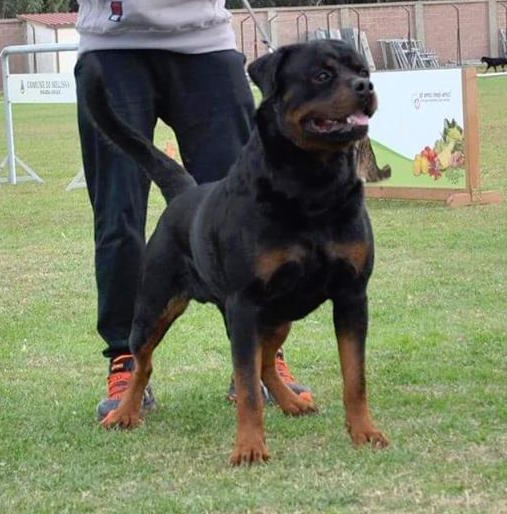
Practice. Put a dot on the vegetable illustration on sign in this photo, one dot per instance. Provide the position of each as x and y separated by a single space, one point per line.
446 157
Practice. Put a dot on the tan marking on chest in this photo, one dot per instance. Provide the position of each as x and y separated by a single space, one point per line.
268 261
354 253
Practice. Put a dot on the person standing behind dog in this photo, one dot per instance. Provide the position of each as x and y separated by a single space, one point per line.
165 59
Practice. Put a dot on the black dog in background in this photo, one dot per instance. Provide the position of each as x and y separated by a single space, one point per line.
493 62
284 231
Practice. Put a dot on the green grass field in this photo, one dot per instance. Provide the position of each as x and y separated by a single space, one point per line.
437 363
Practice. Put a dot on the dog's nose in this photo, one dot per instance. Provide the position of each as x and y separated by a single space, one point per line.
362 86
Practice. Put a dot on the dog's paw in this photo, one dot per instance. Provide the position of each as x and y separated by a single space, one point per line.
249 452
368 434
298 406
118 418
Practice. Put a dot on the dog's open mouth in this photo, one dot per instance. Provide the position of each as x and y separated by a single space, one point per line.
329 126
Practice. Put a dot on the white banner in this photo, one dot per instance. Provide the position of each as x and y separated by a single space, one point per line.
413 106
25 88
418 128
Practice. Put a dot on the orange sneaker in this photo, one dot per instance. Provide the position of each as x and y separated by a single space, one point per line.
301 390
120 372
285 374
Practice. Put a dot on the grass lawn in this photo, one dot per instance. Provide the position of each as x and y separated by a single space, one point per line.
437 364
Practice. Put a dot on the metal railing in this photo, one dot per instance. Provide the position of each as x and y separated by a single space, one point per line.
11 159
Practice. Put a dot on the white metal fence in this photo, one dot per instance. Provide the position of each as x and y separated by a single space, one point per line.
32 88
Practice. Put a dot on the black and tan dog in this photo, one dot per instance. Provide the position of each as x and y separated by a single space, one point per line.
283 232
493 62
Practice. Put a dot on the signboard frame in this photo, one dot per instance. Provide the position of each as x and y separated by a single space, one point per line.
453 197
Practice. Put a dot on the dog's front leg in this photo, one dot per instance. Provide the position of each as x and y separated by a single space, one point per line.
350 320
242 327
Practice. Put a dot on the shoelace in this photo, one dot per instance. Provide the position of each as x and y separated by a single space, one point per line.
118 379
283 369
117 384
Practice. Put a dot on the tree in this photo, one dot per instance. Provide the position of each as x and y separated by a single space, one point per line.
10 8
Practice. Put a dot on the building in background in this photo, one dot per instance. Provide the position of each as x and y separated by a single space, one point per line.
50 28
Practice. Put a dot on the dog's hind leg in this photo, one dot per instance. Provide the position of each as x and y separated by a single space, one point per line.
161 300
271 340
350 320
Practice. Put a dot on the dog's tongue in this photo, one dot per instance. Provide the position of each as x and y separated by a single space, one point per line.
358 118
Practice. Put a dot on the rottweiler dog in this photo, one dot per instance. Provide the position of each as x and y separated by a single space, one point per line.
493 62
284 231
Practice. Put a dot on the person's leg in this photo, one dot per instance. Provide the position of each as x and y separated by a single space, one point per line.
118 192
207 100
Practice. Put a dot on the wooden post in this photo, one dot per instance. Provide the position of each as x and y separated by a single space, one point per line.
471 128
473 195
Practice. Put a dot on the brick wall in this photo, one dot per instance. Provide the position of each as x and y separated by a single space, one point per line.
389 22
288 22
501 18
12 32
440 25
501 15
437 26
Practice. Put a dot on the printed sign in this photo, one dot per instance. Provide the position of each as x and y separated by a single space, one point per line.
27 88
418 128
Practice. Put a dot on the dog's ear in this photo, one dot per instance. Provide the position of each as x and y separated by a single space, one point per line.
263 71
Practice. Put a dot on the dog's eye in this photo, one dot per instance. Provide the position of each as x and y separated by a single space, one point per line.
364 73
322 76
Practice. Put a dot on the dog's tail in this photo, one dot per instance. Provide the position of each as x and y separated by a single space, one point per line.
169 176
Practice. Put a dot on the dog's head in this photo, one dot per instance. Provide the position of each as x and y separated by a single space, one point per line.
320 92
484 59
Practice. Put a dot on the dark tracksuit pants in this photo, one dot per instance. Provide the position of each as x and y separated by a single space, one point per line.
206 100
